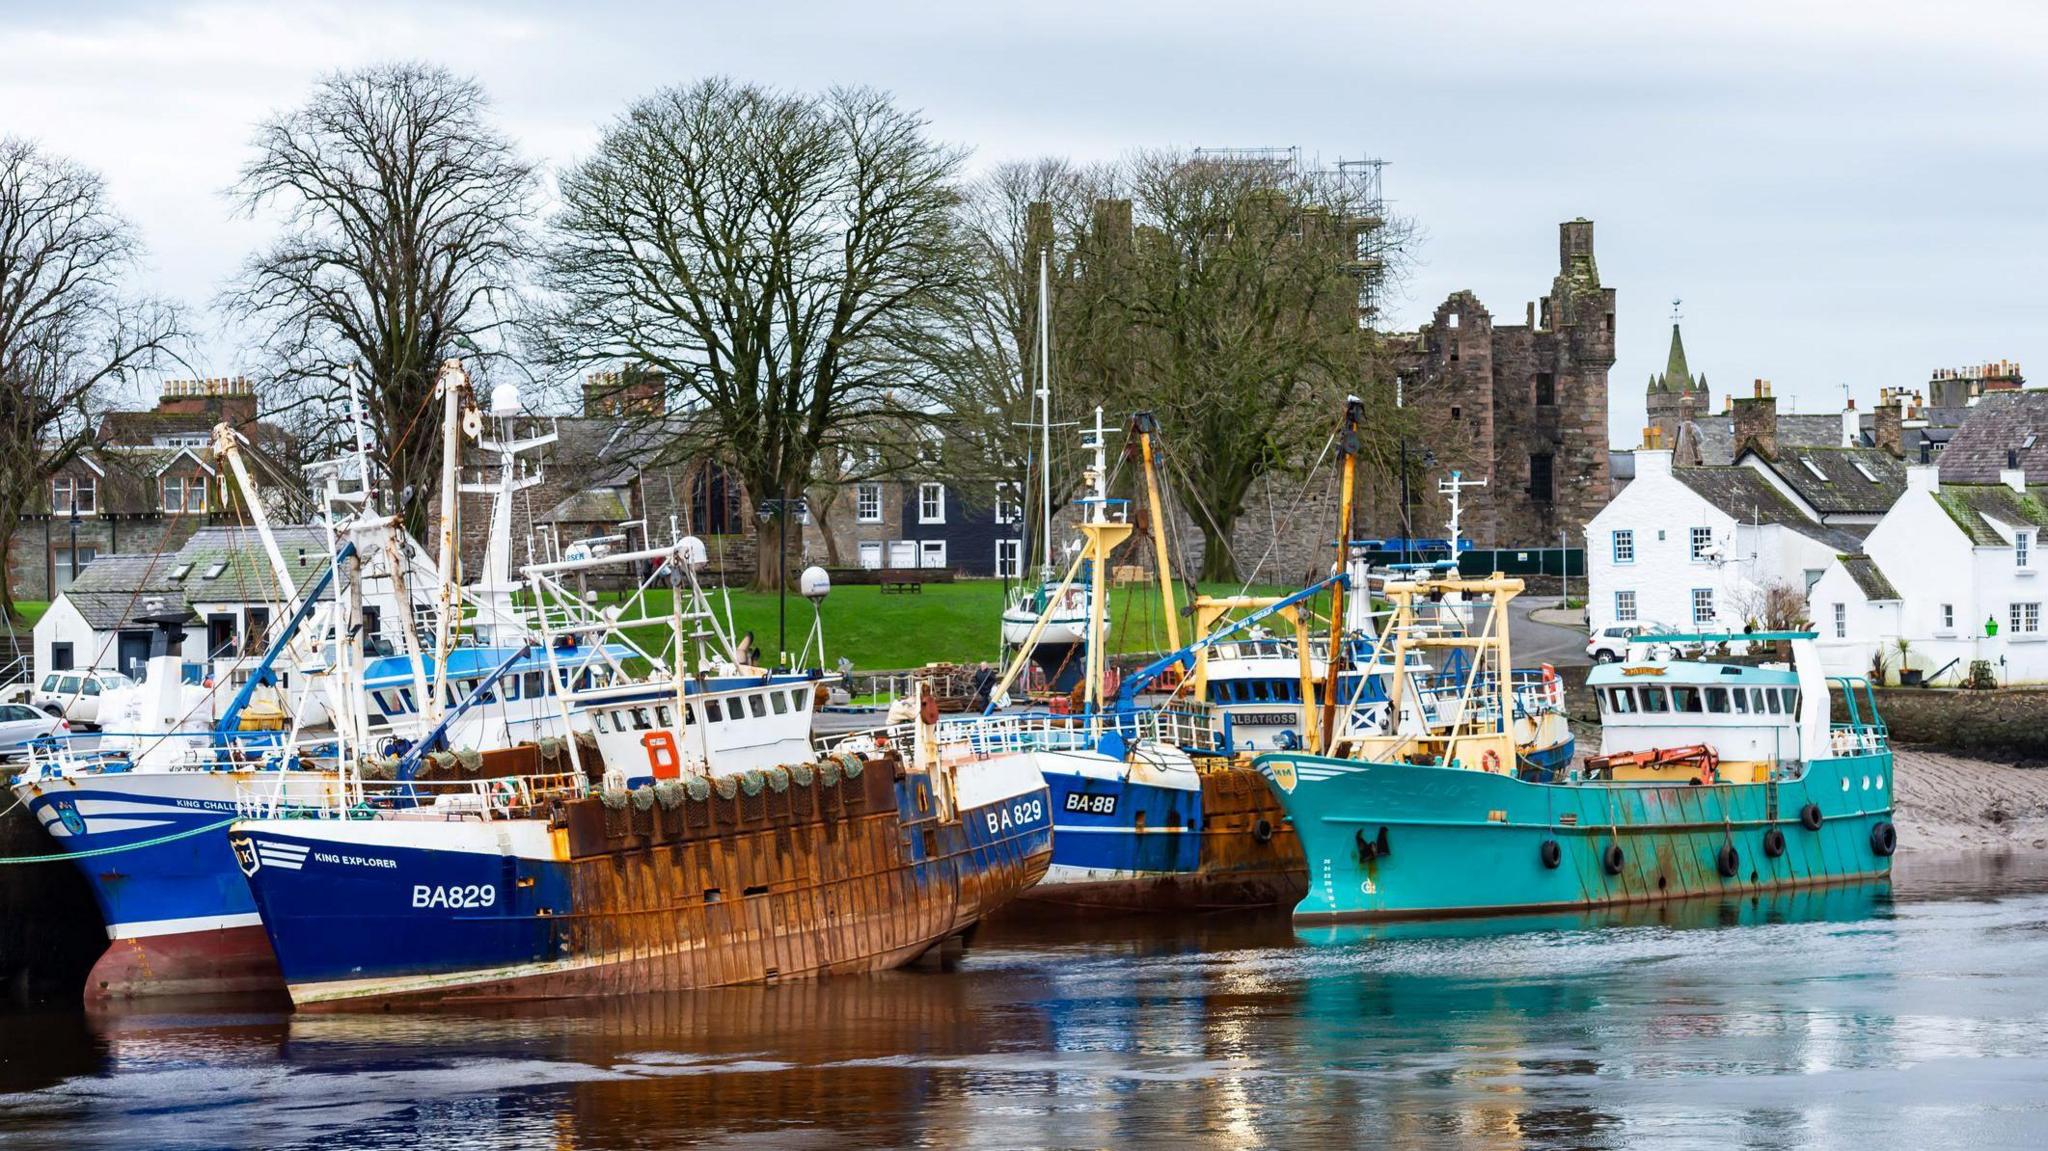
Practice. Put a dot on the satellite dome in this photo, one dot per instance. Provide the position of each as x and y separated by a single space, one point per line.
815 584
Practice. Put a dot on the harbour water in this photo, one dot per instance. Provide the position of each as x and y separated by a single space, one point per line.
1912 1014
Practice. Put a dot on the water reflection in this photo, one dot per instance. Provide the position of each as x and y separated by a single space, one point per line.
1838 1016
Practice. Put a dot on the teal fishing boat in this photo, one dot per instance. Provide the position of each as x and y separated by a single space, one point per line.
1714 776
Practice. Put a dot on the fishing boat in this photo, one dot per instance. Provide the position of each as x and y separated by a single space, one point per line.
696 841
1714 776
142 807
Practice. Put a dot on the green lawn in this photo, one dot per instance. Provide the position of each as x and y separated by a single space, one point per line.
30 612
956 622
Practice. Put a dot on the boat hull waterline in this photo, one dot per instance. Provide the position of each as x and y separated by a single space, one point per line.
1398 840
827 877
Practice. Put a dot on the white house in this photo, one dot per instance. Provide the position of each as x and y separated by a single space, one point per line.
1956 570
1699 547
221 576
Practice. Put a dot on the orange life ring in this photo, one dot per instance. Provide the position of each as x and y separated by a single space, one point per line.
1490 760
928 711
1553 688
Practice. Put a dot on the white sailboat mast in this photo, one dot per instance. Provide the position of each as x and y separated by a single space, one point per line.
1045 407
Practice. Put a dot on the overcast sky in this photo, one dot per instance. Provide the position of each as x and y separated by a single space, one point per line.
1841 193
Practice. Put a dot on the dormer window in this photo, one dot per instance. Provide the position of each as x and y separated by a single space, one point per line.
74 495
182 494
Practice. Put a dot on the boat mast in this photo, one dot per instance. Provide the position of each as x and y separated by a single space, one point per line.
452 383
1045 409
1146 425
1333 660
1104 534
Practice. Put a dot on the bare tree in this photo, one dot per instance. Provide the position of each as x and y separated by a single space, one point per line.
67 333
405 220
778 257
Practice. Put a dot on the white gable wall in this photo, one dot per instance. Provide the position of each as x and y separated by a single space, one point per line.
1664 575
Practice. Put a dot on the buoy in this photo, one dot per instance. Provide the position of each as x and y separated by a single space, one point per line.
1612 859
1551 854
1809 817
1774 843
1884 839
1728 861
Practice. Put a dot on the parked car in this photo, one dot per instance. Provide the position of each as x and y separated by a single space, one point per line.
21 725
75 695
1611 643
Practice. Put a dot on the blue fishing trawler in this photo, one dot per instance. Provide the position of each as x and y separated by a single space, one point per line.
1714 776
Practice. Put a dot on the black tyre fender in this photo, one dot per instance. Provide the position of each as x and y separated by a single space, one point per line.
1367 850
1884 838
1728 861
1262 831
1809 817
1774 843
1612 859
1551 854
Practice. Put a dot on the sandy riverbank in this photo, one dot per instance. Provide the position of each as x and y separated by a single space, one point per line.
1952 803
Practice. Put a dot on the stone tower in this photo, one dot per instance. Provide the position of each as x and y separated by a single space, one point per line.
1676 397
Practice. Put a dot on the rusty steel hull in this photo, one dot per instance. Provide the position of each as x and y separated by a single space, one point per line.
1224 844
1402 841
854 875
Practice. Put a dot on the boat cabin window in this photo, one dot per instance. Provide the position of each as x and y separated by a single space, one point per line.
508 686
1654 700
780 701
760 707
1771 698
1741 700
1717 699
536 685
1791 700
640 720
1685 699
597 722
797 697
711 713
662 716
1621 700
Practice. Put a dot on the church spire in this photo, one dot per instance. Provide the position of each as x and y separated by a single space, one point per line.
1676 376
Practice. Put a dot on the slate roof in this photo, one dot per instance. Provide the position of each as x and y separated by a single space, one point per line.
1869 578
1999 422
113 590
590 506
1974 506
1833 481
1715 434
1746 495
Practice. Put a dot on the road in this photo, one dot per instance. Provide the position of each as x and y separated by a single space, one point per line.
1536 642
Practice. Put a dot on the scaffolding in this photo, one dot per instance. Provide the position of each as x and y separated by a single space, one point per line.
1355 193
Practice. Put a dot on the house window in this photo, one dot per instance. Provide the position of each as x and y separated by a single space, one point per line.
931 503
871 556
1948 617
1702 544
2026 618
1546 389
1841 621
1625 606
867 503
1009 503
2023 550
74 493
1703 605
1009 558
1625 546
60 657
931 553
1540 488
181 495
61 569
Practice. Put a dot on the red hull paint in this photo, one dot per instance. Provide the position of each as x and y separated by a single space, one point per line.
229 961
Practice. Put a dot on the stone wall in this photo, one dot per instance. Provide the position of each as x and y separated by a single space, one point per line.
2005 722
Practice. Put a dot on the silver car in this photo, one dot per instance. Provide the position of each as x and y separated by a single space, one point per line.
21 725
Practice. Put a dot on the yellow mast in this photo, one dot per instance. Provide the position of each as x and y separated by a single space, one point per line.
1347 450
1144 425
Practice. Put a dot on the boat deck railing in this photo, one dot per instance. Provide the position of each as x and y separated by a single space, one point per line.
67 753
1190 730
1858 739
303 796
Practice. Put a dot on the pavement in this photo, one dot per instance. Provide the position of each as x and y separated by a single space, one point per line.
1538 641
